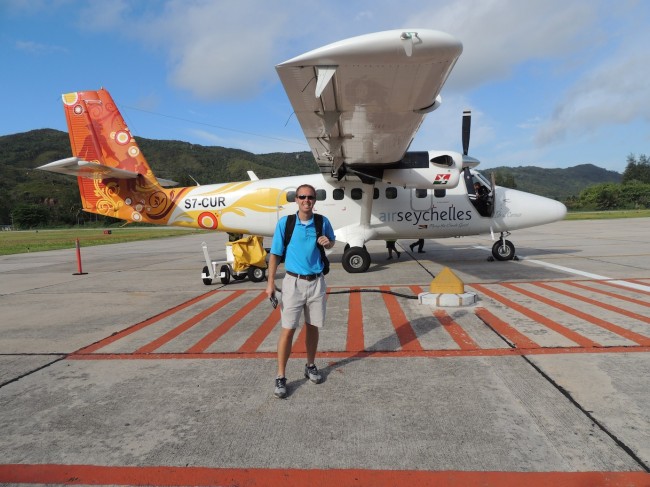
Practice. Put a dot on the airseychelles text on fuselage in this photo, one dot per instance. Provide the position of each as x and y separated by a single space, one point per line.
426 216
204 202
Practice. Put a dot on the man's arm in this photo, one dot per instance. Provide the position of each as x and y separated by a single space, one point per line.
274 260
327 240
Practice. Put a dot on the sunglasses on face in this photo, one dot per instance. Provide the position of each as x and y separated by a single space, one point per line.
308 197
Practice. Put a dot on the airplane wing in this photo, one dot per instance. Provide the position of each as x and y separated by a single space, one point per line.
360 101
74 166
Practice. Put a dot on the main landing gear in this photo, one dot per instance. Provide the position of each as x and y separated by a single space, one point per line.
355 259
503 249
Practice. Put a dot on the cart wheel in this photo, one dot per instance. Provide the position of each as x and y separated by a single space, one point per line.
225 274
206 272
256 274
238 277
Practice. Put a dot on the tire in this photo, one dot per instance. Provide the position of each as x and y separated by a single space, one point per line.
225 270
206 280
356 260
256 274
239 277
505 251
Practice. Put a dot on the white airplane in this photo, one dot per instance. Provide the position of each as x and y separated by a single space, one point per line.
359 102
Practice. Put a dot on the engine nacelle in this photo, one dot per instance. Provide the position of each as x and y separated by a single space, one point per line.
426 170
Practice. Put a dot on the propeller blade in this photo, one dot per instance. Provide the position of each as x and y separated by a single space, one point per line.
467 124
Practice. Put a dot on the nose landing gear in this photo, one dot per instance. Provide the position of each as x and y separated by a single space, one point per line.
503 249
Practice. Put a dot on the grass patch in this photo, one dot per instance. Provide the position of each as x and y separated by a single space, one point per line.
19 242
607 215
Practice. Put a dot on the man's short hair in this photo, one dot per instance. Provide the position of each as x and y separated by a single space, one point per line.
313 190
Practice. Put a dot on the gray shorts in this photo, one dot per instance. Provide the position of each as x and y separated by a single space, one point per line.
299 295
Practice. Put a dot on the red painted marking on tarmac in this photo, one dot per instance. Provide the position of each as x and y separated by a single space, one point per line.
462 339
543 320
220 330
639 281
626 288
280 477
488 352
600 304
355 340
139 326
183 327
265 329
402 325
515 337
611 295
624 332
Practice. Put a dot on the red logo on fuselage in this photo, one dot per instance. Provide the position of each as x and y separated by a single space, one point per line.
442 178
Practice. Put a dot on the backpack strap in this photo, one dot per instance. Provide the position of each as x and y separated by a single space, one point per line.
318 222
288 232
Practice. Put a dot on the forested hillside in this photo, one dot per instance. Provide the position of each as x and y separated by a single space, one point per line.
179 161
558 184
55 197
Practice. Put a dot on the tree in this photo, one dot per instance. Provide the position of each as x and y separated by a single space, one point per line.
505 179
637 170
30 216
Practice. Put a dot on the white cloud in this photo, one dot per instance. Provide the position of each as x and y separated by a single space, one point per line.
615 92
32 47
499 35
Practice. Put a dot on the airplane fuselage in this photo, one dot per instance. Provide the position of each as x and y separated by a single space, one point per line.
254 207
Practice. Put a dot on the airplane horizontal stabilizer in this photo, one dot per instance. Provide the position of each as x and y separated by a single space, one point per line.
74 166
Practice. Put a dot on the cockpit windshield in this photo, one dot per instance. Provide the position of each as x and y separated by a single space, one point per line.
482 179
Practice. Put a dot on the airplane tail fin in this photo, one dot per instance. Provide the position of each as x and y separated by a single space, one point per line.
114 177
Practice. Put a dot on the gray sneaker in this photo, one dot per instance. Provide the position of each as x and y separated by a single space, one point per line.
311 373
281 387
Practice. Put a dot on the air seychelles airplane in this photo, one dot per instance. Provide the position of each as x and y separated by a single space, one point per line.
359 102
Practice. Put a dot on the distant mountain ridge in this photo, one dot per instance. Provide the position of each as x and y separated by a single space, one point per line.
185 162
558 184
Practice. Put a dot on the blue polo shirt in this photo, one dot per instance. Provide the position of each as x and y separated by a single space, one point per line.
303 256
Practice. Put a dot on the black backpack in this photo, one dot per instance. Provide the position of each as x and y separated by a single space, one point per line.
288 232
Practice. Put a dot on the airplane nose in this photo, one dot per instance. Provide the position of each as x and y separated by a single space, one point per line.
558 209
522 210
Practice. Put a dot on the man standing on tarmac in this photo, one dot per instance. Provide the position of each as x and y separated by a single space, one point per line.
303 287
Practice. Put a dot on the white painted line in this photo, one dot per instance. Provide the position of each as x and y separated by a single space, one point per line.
632 285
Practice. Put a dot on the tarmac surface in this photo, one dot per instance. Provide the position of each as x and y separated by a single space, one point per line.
137 373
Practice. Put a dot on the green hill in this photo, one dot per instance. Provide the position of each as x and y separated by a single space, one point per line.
558 184
20 184
180 161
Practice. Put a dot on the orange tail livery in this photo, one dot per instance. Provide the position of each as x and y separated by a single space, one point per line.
115 179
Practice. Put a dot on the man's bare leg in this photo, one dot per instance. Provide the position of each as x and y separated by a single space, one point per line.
284 349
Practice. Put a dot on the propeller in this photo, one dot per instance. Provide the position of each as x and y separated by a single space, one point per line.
468 161
467 125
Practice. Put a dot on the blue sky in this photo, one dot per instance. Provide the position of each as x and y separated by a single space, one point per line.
551 83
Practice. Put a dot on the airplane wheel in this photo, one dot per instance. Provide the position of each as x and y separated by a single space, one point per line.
225 270
356 260
206 280
505 251
256 274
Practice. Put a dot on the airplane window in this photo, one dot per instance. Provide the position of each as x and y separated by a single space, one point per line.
375 193
421 193
356 193
338 194
321 194
391 193
291 196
